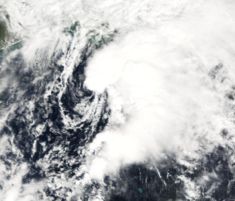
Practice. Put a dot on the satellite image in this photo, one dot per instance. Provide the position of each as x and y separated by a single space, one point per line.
117 100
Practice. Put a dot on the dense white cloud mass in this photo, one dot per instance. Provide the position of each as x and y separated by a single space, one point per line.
166 72
161 94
